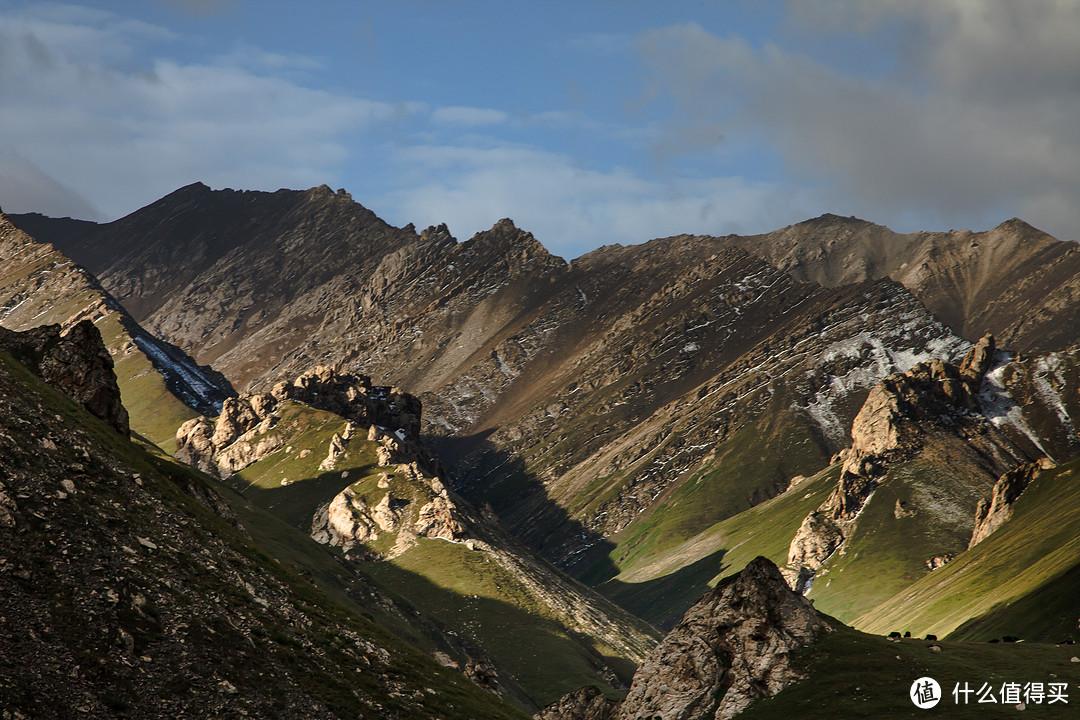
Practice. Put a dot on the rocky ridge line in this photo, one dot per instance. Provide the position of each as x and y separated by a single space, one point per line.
731 648
887 429
239 436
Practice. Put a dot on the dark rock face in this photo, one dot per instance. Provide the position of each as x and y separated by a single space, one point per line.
731 648
992 512
77 364
586 703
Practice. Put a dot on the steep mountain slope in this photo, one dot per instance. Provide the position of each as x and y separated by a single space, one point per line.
634 395
352 473
127 591
934 519
1014 280
211 270
1035 553
160 385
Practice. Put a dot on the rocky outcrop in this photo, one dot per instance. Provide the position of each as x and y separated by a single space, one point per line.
240 435
890 426
336 450
236 439
587 703
928 390
354 398
344 522
76 363
991 513
349 521
439 519
731 648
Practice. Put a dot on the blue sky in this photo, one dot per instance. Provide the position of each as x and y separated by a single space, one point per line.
586 122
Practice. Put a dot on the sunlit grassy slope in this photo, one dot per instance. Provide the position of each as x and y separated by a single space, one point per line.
1023 578
462 590
660 586
886 553
1023 581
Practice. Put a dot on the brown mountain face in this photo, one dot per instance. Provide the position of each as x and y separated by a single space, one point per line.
1014 280
239 279
586 401
578 396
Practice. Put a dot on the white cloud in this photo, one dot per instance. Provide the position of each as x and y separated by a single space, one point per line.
23 186
456 115
75 100
976 122
571 209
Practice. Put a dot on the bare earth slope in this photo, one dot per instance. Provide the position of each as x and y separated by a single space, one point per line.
1014 280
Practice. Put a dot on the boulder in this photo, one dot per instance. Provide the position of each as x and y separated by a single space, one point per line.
731 648
75 363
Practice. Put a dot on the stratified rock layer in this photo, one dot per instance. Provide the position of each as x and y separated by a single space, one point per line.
731 648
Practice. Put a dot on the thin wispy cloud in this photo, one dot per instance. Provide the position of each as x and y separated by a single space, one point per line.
921 114
126 134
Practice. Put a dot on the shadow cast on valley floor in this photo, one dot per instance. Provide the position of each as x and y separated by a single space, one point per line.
662 601
500 481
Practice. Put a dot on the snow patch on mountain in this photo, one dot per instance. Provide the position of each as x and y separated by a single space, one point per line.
876 355
1047 379
998 405
191 384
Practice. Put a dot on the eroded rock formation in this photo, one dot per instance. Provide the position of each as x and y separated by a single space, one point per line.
586 703
354 398
991 513
76 363
731 648
890 426
240 435
236 439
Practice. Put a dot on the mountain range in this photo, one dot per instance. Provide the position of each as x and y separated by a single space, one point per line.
528 469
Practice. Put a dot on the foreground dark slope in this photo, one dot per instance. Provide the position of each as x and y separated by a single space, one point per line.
127 592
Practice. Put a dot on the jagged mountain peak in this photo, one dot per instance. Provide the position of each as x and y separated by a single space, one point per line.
834 220
517 245
436 235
